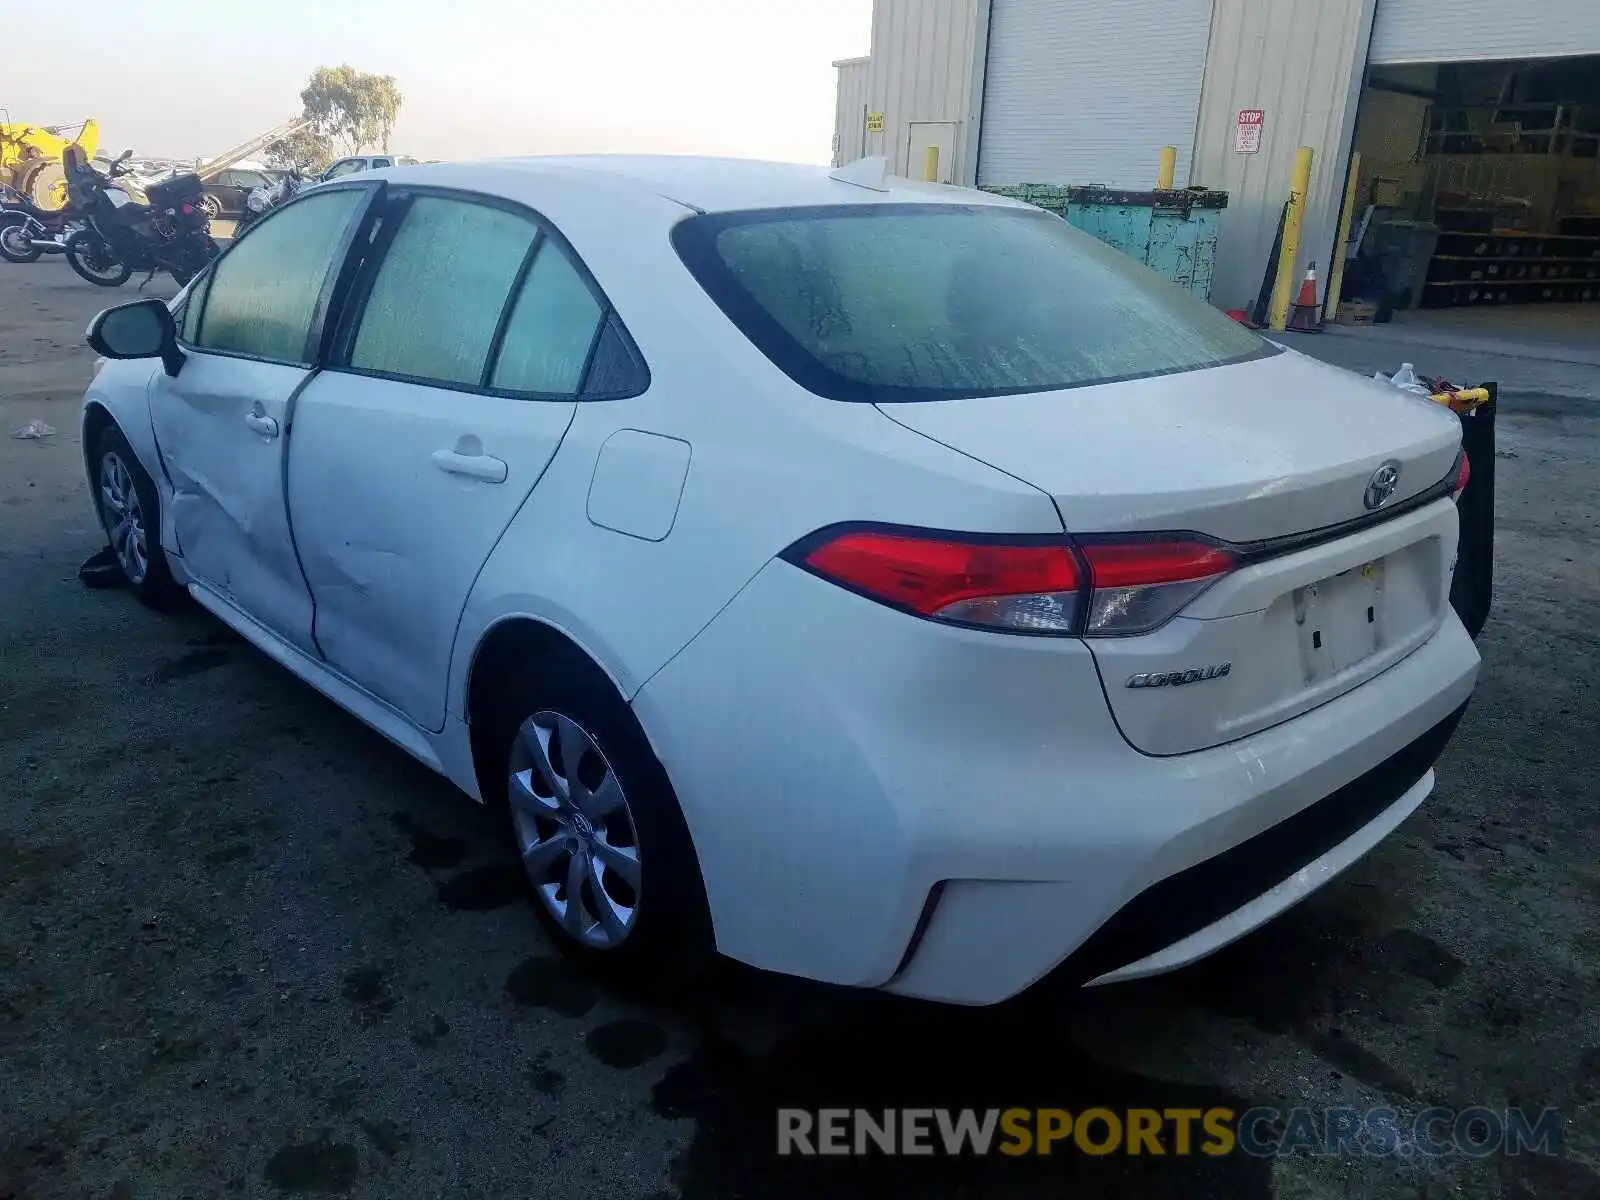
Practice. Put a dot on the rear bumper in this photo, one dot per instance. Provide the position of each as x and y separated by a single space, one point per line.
1199 910
839 763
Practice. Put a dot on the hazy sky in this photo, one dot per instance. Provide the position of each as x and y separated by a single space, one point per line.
182 77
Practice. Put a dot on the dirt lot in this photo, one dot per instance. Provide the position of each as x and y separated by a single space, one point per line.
247 948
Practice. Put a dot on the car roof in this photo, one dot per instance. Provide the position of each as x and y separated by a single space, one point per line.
705 184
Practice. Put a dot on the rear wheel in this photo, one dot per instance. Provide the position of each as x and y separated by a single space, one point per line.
91 257
16 244
130 513
607 853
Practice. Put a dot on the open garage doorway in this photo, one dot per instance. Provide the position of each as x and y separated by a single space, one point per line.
1476 215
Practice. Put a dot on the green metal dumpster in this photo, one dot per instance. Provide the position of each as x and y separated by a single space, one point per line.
1174 233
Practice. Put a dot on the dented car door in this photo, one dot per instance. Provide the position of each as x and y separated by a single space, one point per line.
250 330
446 395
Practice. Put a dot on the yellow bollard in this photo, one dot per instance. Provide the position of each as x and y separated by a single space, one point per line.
930 165
1168 169
1283 286
1330 302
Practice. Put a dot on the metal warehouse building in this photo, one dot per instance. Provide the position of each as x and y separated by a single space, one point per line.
1478 123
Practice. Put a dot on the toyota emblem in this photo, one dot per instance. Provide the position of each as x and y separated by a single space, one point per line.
1382 485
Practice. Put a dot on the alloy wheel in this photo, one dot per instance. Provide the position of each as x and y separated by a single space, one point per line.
574 829
124 517
17 239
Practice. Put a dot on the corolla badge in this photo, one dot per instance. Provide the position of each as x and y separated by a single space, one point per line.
1382 485
1150 679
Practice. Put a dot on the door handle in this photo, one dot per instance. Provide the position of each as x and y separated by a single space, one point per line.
484 467
260 423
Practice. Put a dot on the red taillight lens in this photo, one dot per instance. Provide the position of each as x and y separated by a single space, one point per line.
1463 475
1016 586
1023 586
1140 585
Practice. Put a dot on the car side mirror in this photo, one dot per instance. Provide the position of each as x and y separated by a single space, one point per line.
142 329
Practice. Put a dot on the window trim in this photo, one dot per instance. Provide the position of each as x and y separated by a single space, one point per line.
694 239
397 203
335 284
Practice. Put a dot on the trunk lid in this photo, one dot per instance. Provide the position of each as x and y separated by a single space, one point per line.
1260 450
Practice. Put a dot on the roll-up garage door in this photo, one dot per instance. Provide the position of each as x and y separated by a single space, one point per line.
1436 31
1084 91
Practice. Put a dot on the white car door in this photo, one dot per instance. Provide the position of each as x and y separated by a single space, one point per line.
250 331
449 389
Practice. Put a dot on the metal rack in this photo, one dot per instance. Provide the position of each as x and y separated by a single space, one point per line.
1511 267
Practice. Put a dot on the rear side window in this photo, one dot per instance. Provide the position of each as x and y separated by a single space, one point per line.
552 327
893 303
262 295
436 300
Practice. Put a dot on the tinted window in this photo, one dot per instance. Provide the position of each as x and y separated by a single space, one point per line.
615 368
263 292
551 328
348 167
436 301
920 302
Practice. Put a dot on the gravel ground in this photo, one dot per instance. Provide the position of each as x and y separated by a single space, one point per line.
248 948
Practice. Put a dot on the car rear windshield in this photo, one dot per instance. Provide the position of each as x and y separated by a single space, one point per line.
883 303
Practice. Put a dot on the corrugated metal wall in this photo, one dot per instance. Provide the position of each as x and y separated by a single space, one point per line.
1302 64
850 111
1433 31
921 70
1082 91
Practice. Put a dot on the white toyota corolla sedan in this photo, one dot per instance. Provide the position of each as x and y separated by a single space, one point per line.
877 582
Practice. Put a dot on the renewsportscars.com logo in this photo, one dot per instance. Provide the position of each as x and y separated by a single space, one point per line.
1215 1132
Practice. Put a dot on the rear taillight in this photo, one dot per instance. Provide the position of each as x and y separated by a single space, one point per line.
1463 475
1103 588
1027 587
1140 585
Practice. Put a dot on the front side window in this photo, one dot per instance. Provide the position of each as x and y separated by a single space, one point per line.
890 302
436 300
348 166
262 295
189 318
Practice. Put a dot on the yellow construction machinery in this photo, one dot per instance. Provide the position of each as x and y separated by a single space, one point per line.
30 157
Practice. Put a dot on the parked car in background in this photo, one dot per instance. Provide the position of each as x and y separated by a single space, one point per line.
366 162
875 582
225 193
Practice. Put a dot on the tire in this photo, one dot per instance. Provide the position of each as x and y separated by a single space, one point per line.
46 185
666 941
130 513
90 256
15 244
211 206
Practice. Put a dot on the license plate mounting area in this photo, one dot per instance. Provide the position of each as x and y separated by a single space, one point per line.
1339 620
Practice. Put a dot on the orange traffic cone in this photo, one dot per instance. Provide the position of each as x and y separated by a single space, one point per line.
1306 314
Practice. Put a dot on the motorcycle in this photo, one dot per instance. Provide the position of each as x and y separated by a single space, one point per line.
262 200
28 231
171 233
